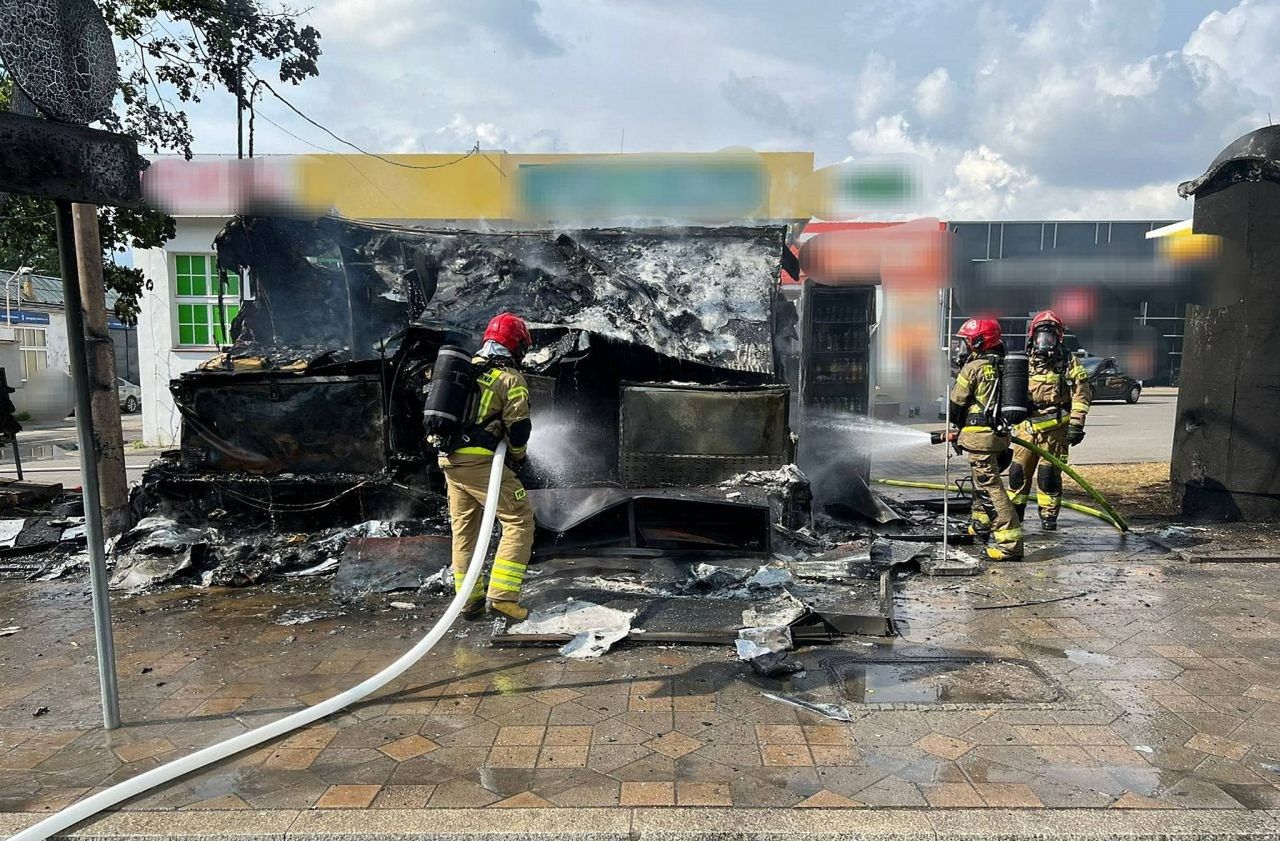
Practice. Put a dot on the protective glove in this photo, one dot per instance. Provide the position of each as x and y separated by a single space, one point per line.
1075 434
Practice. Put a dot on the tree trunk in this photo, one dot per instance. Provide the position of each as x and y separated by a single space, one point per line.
107 434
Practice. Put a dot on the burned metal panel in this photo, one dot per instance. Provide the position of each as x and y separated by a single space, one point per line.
1252 157
696 294
697 435
59 161
281 424
650 522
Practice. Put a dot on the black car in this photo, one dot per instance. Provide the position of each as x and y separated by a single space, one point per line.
1109 382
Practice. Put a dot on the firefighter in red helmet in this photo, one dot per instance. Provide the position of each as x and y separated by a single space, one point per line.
978 350
502 411
1060 397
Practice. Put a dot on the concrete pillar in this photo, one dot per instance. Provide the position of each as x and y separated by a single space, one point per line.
1226 460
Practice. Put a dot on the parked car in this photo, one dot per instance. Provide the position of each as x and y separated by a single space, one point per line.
1109 382
130 396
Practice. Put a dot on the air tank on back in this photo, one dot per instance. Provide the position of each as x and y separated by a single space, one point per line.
1014 387
448 393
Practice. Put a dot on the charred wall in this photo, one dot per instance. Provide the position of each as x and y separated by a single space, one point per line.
1226 464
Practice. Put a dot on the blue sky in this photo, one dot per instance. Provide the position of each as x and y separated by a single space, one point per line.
1017 110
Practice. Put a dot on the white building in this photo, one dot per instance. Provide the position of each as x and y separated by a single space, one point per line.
34 350
178 325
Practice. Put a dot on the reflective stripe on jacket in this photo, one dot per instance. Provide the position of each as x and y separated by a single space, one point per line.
502 401
974 389
1060 390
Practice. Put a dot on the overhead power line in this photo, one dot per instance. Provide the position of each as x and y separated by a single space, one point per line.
475 150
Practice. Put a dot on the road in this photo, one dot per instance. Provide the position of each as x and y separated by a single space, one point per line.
1117 433
50 453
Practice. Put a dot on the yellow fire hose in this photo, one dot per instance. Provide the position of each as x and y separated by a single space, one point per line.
938 486
1116 519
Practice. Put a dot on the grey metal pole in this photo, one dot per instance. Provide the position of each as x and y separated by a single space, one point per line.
88 468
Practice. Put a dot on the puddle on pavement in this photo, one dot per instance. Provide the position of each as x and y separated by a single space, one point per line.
943 680
39 452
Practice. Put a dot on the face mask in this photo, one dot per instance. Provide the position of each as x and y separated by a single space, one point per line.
959 352
1044 342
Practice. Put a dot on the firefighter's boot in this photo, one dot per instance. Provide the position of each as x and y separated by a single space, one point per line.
511 610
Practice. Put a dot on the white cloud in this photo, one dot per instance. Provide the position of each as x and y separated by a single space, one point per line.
875 88
890 135
934 94
1030 109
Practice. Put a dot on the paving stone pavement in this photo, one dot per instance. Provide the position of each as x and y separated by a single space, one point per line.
1169 698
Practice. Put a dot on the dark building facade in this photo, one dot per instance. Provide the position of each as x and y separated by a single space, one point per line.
1104 278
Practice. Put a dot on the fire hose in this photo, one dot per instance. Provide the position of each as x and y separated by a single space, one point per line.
938 486
1116 519
90 806
1112 515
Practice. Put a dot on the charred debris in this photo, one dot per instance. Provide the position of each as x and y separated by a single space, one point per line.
662 465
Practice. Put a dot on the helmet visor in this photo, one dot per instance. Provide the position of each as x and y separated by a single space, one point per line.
1044 341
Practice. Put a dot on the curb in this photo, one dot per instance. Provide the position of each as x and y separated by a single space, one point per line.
677 824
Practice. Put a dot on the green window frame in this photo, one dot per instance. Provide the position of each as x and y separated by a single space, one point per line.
196 301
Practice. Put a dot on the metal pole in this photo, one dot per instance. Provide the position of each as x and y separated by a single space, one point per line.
946 445
88 467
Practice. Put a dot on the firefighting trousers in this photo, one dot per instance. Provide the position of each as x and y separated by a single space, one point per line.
993 510
467 477
1026 469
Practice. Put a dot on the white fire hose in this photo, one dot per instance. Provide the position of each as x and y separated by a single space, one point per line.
90 806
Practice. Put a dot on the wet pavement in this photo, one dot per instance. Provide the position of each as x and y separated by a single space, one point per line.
1148 682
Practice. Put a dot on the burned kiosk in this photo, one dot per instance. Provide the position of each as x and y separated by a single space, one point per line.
655 373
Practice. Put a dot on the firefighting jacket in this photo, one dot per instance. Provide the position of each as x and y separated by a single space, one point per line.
1060 391
971 405
501 408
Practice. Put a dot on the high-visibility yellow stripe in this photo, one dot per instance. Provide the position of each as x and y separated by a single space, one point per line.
976 429
486 398
1017 499
1044 378
459 578
505 588
979 516
514 570
1048 423
518 391
517 451
1007 535
1079 406
962 381
473 451
1043 499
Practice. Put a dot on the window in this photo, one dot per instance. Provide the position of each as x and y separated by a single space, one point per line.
196 285
33 348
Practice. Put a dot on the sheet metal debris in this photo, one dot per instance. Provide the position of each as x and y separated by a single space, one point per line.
595 628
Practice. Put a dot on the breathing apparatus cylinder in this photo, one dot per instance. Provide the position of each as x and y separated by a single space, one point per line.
448 394
1015 396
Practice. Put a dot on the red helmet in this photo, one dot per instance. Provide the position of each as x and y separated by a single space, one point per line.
509 330
981 334
1049 319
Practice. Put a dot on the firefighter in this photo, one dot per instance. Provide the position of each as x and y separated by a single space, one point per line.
977 350
1060 396
501 411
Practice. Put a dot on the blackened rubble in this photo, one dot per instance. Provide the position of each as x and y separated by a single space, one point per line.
651 348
